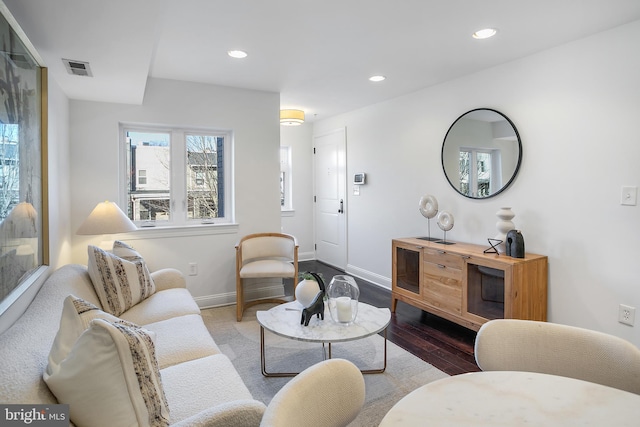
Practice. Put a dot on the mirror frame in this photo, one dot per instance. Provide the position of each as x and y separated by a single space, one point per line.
518 163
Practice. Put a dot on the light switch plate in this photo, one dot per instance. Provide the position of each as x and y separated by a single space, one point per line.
629 196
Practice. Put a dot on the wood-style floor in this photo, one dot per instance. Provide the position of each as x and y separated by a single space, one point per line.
443 344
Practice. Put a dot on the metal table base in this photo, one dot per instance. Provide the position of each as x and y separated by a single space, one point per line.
327 355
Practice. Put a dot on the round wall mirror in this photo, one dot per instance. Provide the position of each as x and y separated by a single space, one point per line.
481 153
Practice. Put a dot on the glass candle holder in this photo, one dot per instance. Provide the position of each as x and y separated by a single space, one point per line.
342 299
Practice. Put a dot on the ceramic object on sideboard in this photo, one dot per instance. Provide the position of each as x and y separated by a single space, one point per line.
504 225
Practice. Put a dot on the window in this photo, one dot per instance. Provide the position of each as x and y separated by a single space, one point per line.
176 176
204 169
199 178
480 171
285 178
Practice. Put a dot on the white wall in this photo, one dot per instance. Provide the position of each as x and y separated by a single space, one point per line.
95 174
299 222
576 108
59 183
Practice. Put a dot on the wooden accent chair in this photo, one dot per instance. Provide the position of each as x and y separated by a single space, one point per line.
328 394
264 255
551 348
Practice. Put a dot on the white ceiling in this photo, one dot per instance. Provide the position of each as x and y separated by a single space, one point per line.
317 54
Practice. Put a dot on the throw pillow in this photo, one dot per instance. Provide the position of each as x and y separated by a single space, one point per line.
121 281
76 316
111 378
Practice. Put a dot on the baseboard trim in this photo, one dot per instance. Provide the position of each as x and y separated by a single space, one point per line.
229 298
376 279
306 256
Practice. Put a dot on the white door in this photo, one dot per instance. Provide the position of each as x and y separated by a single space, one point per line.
330 212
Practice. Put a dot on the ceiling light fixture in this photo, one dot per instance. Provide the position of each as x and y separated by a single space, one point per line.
485 33
377 78
291 117
239 54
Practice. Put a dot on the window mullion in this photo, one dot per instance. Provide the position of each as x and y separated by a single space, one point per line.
178 181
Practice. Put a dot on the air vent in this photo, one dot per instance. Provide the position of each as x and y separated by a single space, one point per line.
77 68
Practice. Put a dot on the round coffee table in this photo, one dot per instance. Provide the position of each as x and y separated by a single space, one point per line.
284 320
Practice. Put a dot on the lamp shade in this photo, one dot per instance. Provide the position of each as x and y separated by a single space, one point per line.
106 218
22 221
291 117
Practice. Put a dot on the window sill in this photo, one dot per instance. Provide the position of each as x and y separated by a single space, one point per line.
288 212
179 231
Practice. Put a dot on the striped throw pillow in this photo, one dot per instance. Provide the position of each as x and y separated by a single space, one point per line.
120 278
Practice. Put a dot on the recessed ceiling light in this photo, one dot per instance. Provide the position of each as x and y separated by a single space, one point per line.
237 54
377 78
485 33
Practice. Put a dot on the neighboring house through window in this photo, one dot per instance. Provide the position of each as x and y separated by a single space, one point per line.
142 177
176 176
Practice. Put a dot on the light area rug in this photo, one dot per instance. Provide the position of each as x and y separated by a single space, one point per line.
240 341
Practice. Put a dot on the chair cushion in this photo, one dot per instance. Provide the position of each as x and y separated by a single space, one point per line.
338 381
119 282
267 268
111 378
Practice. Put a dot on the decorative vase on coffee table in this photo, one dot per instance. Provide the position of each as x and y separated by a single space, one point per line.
308 288
342 297
504 225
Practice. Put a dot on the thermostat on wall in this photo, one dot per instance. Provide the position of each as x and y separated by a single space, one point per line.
359 178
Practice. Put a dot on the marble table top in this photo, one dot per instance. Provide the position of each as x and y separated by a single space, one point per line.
504 398
284 320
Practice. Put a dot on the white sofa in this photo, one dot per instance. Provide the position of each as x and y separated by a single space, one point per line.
201 385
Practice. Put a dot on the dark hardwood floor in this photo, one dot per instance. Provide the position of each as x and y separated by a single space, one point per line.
439 342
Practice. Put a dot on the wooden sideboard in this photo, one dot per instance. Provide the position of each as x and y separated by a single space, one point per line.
461 283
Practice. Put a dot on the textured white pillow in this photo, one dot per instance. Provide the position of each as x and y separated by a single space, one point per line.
121 279
111 378
76 316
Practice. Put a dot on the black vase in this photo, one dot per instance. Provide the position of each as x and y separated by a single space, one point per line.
515 244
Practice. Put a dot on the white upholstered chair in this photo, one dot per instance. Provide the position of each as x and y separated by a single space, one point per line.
551 348
264 255
328 394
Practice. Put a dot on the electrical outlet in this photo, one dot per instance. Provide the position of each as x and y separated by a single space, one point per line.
626 314
629 196
193 269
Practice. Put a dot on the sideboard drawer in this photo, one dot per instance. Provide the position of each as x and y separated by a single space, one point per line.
442 257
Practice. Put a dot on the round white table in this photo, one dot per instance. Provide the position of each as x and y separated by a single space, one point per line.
505 398
284 320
